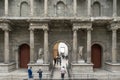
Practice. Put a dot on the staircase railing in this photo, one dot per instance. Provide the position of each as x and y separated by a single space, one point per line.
52 71
69 71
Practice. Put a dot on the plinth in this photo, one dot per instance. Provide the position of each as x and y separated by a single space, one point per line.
82 67
113 67
5 68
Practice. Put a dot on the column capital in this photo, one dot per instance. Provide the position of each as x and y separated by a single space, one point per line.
45 27
114 26
114 29
5 27
31 29
75 28
89 29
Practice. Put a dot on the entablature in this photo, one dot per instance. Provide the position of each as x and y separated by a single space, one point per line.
43 26
82 25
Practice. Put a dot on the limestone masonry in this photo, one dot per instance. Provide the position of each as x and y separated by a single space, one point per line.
26 26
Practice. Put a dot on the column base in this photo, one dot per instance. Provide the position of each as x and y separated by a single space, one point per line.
5 68
113 67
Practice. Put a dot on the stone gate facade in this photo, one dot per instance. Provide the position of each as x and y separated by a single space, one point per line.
93 24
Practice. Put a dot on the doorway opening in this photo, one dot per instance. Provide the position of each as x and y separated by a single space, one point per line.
96 55
24 55
60 54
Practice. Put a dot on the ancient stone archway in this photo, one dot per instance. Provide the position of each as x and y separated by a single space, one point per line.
56 52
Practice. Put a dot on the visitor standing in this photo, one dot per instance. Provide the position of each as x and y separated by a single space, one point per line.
58 60
55 61
40 74
63 71
30 75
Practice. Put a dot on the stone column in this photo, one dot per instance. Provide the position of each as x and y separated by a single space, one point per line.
114 45
45 7
6 46
6 7
45 46
89 45
114 8
31 45
74 54
89 8
16 58
75 7
31 7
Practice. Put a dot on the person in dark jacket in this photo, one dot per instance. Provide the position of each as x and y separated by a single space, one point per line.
40 74
63 71
30 76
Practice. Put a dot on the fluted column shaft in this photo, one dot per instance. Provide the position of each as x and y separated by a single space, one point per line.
6 46
89 45
31 7
45 46
114 8
45 8
74 54
31 45
89 8
114 45
6 7
75 7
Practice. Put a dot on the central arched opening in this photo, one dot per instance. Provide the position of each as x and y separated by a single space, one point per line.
60 54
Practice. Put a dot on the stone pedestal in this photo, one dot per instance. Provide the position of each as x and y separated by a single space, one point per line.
37 66
113 67
43 67
5 68
81 61
82 67
39 61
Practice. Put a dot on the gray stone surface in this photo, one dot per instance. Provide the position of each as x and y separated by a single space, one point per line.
60 19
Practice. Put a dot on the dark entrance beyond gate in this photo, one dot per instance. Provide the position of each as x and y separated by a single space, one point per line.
24 55
96 56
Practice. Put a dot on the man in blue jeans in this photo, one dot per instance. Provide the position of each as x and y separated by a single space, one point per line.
30 76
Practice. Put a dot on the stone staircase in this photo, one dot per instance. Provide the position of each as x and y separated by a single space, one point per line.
96 75
57 73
